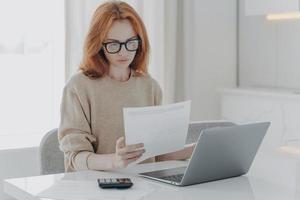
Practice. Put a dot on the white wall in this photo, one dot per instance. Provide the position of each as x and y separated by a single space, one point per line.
17 163
209 55
269 51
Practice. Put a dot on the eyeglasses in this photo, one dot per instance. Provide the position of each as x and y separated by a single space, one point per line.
115 47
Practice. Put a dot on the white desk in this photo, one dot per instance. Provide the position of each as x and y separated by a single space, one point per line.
273 176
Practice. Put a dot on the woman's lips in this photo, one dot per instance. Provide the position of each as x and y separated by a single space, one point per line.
122 60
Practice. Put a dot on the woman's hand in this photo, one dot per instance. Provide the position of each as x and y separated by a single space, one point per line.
127 154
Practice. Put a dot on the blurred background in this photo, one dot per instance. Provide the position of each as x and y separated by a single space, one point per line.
237 60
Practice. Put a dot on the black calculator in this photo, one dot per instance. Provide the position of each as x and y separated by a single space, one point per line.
119 183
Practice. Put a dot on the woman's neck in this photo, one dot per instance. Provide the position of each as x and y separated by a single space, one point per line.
119 74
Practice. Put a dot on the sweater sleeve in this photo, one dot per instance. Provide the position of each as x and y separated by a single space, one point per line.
74 133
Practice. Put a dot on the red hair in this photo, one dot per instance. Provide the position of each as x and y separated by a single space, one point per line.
94 63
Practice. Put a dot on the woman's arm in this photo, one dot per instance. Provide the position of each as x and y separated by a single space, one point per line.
122 158
100 161
178 155
126 155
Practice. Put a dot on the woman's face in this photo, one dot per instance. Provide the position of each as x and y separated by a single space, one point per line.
120 32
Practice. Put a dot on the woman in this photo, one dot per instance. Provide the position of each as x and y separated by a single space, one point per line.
113 75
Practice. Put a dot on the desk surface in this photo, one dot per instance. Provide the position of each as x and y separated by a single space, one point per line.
273 176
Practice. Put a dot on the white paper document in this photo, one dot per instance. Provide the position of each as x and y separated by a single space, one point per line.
162 129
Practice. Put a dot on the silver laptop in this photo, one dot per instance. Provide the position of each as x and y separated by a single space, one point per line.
220 152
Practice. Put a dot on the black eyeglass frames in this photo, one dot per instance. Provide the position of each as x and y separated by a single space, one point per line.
115 46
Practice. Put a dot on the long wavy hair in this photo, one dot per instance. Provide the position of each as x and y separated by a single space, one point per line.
94 64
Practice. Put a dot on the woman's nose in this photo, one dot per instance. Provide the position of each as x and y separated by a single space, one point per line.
123 50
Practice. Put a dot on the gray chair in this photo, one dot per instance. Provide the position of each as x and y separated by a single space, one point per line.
50 157
195 128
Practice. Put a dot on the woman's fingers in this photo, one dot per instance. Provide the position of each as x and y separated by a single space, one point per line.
133 154
127 154
130 148
132 160
134 147
120 143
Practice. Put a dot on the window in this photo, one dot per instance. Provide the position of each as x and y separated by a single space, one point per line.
32 47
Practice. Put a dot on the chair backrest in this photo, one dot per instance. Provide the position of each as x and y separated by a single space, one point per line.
50 156
196 127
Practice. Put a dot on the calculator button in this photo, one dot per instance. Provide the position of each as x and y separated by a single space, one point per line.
122 180
116 180
101 180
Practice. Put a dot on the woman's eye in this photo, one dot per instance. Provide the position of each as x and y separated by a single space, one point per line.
132 44
113 45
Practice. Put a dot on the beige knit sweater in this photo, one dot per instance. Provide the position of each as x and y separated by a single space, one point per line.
92 114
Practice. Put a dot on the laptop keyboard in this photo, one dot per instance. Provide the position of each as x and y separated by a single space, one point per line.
175 178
